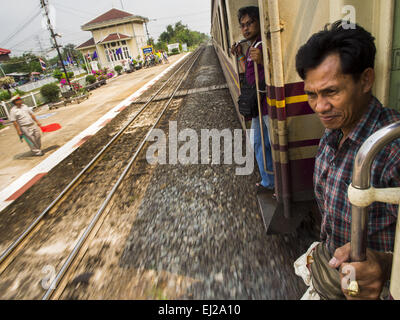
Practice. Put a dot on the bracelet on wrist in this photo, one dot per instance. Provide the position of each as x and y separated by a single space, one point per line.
241 58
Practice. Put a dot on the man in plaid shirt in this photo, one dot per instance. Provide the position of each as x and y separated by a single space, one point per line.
337 66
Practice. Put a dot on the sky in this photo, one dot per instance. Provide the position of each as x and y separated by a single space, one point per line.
21 20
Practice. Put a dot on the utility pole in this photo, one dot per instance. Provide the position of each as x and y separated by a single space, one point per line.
147 31
2 70
122 5
40 46
44 4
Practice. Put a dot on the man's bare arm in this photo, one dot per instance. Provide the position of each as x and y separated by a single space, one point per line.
36 120
238 52
16 125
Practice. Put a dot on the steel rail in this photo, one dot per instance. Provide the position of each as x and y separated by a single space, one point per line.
95 219
75 182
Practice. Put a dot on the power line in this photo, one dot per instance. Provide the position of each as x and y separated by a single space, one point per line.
27 39
72 12
19 29
185 15
75 9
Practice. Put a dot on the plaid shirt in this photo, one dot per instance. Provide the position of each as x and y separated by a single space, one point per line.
333 174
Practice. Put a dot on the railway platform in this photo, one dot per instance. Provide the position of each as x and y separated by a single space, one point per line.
78 121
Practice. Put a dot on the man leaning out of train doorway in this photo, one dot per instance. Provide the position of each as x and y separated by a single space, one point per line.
249 20
337 66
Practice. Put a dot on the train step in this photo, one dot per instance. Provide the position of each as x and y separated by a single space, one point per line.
273 215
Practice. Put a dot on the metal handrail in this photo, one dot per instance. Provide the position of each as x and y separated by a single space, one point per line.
362 181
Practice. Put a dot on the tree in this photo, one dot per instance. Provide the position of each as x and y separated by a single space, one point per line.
160 45
69 51
151 42
26 63
180 33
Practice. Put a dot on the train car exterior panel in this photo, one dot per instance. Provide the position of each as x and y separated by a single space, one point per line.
286 25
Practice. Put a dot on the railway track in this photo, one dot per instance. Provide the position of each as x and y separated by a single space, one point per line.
75 203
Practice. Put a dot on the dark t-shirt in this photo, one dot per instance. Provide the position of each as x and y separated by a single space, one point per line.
250 75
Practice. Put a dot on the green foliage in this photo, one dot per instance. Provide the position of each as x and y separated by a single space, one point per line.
90 79
6 81
69 51
4 95
180 33
19 92
58 74
26 63
161 46
61 75
118 69
50 92
174 51
7 94
83 66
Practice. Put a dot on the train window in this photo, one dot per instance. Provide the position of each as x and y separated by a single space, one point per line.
227 33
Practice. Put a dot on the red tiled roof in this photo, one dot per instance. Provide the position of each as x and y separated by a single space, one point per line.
89 43
112 14
115 37
4 51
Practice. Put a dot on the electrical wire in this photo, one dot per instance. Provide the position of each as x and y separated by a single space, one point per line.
185 15
71 12
20 28
90 14
25 40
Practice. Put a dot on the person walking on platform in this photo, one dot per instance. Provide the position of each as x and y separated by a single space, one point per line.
250 25
165 56
24 122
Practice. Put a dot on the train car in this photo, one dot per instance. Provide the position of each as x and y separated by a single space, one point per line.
295 130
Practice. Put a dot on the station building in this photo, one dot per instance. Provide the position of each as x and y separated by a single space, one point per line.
116 36
4 54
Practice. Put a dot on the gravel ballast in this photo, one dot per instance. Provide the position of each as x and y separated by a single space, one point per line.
202 221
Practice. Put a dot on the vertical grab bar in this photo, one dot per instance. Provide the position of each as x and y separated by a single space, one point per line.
362 181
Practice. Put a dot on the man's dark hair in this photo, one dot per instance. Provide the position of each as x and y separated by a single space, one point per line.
252 11
355 47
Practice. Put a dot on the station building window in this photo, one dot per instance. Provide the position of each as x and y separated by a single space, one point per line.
111 53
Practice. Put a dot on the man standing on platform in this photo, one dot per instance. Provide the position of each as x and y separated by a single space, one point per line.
24 122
